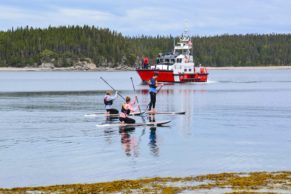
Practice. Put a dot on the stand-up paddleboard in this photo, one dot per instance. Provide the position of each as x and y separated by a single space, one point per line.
166 113
102 114
160 123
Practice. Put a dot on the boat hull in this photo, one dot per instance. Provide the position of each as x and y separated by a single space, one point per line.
164 75
169 76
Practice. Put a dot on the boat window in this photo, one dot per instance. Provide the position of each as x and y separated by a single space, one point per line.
179 60
190 69
185 70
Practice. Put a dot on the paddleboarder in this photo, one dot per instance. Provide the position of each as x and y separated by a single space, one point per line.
153 83
108 101
126 109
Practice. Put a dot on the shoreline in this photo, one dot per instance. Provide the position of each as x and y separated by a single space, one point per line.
70 69
250 68
62 69
266 182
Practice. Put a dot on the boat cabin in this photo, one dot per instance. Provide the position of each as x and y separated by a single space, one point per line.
176 66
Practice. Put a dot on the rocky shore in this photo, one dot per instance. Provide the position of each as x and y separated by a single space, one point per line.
49 67
253 182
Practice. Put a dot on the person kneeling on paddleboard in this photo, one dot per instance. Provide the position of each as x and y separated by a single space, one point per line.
126 109
108 101
153 83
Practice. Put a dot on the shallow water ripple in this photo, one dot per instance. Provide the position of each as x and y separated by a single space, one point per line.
238 121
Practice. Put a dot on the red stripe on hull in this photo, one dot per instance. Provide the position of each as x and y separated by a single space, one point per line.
168 76
197 77
164 76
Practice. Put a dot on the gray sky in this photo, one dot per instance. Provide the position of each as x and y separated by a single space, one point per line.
153 17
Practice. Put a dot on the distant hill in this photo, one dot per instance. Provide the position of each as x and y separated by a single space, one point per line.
67 46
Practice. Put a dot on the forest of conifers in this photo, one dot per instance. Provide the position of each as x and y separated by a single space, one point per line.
63 45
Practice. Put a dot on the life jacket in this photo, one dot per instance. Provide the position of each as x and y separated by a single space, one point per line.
153 83
107 102
123 110
146 60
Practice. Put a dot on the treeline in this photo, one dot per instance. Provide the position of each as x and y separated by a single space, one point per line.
63 46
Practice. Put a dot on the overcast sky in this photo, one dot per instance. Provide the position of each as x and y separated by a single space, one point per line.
153 17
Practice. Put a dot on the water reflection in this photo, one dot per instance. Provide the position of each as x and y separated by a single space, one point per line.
165 91
153 138
152 118
153 142
112 118
131 143
128 141
108 135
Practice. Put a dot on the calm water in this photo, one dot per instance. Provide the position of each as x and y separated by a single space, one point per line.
238 121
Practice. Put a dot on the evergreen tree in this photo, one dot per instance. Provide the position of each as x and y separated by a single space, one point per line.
26 46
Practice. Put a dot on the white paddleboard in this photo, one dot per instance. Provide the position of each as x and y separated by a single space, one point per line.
166 113
160 123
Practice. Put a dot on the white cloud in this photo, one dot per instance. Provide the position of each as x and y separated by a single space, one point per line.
83 15
72 16
8 13
155 17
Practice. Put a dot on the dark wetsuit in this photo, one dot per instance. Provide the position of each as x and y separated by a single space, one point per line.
153 93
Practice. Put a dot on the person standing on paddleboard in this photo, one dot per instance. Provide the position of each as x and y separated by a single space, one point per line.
108 101
153 83
126 109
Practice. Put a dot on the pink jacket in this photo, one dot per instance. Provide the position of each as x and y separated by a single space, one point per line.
128 106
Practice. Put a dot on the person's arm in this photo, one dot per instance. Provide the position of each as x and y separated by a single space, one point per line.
115 96
112 97
130 107
133 102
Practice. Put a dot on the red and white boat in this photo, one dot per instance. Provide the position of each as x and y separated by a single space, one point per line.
176 66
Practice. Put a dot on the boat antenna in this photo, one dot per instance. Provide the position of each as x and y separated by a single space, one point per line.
192 50
174 45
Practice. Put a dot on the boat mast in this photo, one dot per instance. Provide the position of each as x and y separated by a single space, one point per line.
192 52
174 46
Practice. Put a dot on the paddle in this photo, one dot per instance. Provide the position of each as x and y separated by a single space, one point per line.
137 99
112 87
160 88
